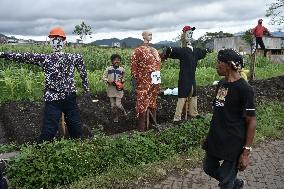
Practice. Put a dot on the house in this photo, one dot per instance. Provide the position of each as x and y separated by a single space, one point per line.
116 44
275 46
241 45
12 40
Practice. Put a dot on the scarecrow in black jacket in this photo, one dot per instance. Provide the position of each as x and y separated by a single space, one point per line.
188 57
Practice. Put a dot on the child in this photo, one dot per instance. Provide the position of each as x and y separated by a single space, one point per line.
114 78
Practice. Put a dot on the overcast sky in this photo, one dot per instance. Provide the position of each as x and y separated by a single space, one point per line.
128 18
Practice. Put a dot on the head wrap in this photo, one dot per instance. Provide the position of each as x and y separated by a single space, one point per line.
231 56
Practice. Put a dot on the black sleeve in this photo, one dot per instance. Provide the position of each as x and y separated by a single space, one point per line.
174 52
200 53
249 102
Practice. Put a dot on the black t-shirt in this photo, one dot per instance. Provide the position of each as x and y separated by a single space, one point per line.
233 102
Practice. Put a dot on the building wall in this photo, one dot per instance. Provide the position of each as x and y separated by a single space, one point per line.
240 45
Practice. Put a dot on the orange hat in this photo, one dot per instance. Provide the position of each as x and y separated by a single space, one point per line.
57 31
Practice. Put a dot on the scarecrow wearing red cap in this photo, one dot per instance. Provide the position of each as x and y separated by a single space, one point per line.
258 33
59 90
188 57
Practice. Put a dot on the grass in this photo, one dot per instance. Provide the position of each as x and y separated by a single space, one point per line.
270 125
120 172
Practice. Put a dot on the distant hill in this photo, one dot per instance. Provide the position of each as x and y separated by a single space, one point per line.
127 42
166 43
2 35
131 42
278 34
107 42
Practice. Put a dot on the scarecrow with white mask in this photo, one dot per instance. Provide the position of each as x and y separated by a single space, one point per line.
59 90
188 57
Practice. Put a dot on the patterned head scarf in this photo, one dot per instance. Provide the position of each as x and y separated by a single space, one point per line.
231 56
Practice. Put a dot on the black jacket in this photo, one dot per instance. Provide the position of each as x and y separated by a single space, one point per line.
188 62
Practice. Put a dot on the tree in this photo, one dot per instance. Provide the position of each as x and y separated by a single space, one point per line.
248 37
275 11
82 30
205 40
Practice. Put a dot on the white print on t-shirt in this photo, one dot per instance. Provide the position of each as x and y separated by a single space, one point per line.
221 96
156 77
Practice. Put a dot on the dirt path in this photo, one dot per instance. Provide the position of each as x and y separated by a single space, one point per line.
266 172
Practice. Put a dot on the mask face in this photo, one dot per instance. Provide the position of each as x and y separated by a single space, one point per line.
57 44
147 35
188 36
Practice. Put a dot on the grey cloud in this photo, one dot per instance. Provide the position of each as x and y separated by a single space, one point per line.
37 17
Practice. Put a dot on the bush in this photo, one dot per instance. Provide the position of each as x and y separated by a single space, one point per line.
61 162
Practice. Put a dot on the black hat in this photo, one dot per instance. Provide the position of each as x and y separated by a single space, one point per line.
232 57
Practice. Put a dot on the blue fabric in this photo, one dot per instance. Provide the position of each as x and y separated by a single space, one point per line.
225 173
52 114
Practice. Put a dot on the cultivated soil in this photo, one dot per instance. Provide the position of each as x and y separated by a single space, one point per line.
21 121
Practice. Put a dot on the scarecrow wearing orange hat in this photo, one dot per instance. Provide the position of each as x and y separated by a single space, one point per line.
59 90
188 57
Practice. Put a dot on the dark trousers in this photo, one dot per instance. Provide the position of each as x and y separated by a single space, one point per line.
225 173
52 115
259 41
3 182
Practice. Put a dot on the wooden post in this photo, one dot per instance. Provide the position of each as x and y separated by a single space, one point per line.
252 66
147 119
63 125
186 109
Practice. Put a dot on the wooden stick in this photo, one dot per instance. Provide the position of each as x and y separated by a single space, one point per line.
63 125
186 109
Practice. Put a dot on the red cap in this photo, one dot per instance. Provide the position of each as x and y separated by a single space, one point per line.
187 28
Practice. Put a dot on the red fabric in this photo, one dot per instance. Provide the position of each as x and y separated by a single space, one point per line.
186 28
145 60
259 30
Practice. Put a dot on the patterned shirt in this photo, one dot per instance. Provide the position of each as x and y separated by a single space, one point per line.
58 69
144 60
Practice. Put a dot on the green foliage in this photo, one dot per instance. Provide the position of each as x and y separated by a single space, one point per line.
82 30
275 12
62 162
248 37
5 148
104 161
202 41
270 121
26 82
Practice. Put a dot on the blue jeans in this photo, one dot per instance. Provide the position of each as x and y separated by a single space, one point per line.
52 115
225 173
